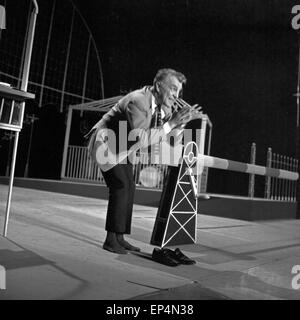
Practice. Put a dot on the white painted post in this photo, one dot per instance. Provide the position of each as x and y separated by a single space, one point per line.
66 143
268 179
252 176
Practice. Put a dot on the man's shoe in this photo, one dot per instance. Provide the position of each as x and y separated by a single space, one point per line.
114 247
183 259
164 256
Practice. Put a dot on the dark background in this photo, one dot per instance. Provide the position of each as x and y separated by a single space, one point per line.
240 59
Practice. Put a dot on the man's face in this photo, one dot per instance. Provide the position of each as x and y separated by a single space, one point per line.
169 89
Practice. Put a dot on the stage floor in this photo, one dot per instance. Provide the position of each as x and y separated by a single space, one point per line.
53 250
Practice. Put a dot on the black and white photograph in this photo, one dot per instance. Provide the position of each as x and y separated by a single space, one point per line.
149 153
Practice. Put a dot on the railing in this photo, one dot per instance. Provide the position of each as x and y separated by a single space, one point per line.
276 188
280 189
148 175
80 167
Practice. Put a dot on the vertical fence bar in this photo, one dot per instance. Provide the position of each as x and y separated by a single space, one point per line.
73 161
80 162
70 162
95 168
285 181
291 168
95 172
292 184
90 167
280 180
67 163
77 162
251 185
11 111
268 179
289 181
98 174
295 182
83 163
86 174
272 179
66 141
275 179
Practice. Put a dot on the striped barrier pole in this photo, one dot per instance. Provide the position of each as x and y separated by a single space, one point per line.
224 164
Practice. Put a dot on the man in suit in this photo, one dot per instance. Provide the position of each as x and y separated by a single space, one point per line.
136 110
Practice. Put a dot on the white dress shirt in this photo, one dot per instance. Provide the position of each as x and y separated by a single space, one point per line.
166 126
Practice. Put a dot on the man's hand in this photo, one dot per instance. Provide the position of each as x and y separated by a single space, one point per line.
179 117
196 112
184 115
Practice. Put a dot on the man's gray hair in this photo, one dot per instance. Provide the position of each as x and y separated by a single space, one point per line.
164 73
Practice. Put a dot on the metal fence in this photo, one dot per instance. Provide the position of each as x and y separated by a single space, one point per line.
281 189
276 188
80 167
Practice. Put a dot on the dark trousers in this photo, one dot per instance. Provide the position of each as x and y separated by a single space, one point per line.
121 186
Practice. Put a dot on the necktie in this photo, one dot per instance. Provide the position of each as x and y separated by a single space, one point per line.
155 123
156 118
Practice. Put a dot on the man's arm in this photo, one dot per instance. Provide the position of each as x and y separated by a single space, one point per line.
139 121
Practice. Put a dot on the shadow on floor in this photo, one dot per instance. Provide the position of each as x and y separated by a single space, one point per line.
192 291
24 258
239 283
